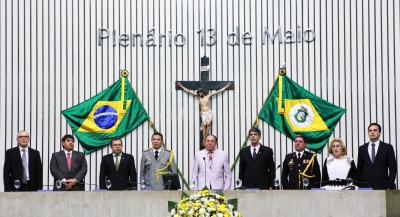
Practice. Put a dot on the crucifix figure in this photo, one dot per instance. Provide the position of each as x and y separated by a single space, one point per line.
204 102
202 87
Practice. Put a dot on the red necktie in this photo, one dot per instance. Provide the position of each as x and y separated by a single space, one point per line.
69 160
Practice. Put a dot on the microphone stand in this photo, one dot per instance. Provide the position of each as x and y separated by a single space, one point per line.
205 172
320 183
240 188
270 174
130 188
82 183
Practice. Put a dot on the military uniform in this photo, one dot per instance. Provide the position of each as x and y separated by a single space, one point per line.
149 166
292 166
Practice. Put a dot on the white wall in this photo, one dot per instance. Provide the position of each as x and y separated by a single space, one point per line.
51 60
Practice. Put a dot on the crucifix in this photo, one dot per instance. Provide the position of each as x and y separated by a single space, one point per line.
202 93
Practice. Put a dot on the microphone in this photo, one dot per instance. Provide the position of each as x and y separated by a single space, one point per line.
205 172
82 183
130 182
349 187
273 172
130 188
322 182
360 182
240 188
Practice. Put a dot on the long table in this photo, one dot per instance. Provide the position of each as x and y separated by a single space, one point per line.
154 203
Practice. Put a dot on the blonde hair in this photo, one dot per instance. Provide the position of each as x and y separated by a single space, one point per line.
340 141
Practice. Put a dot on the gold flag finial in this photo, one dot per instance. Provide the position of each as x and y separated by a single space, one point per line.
124 73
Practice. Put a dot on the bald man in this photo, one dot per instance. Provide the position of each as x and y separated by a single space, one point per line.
24 164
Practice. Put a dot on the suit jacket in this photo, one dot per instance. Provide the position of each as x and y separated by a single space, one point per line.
59 169
149 165
119 179
218 176
13 169
376 174
290 171
258 173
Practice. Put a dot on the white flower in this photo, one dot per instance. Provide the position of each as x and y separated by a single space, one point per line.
217 196
211 200
181 212
220 215
230 206
204 199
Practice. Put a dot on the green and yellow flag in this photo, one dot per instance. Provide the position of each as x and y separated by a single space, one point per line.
112 113
293 110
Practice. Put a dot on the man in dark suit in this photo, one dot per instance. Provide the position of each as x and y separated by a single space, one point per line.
256 166
69 166
299 165
118 167
23 163
375 159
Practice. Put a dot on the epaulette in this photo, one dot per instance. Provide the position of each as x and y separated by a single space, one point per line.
146 150
289 153
166 149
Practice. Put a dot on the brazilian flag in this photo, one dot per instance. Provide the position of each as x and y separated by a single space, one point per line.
112 113
293 110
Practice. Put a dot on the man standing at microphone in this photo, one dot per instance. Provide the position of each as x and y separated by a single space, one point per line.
118 167
256 166
211 167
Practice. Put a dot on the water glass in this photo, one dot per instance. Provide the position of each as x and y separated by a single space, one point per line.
276 183
17 184
239 183
349 181
306 181
143 185
108 184
193 184
58 184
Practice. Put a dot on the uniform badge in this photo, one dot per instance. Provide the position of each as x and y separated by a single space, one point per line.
290 164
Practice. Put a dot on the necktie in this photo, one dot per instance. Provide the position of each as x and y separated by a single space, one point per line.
25 165
69 160
156 156
116 162
210 159
298 156
254 153
373 153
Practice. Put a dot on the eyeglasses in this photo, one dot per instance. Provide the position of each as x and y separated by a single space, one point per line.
22 137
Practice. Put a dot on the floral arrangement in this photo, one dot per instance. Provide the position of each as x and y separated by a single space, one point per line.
204 204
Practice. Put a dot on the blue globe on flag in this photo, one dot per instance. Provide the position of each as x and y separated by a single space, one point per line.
105 117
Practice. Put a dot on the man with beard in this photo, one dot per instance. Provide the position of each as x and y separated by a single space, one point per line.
205 109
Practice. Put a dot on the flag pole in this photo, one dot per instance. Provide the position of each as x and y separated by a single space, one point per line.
177 168
124 74
282 71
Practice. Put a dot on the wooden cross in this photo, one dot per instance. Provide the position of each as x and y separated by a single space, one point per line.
205 84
